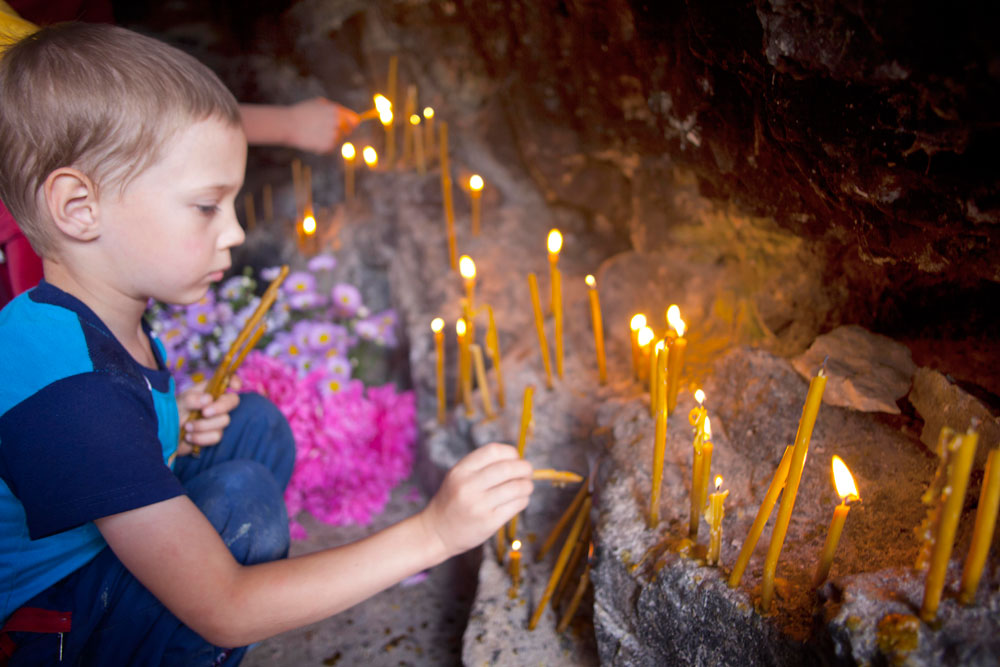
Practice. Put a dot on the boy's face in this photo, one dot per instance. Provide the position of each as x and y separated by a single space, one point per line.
169 233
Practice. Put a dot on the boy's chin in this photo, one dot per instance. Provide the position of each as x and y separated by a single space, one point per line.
186 299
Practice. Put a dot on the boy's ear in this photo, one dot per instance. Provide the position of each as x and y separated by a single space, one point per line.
71 199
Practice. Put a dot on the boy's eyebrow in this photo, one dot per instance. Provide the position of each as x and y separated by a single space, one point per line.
219 188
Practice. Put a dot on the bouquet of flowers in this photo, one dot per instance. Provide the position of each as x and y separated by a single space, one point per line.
354 443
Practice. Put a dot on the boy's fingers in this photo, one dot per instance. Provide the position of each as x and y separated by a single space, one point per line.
486 455
217 423
224 404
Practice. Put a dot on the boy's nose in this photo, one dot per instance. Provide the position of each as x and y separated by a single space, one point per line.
233 235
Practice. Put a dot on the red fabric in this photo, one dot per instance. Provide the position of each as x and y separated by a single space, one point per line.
32 619
22 268
45 12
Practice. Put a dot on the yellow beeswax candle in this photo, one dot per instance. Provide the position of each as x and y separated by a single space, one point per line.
501 544
958 482
982 534
637 322
350 157
464 366
437 326
514 566
418 145
493 348
484 387
802 437
555 244
446 192
467 268
598 325
564 554
659 434
645 340
653 377
574 603
675 363
847 490
522 440
475 194
429 129
770 498
370 156
386 118
268 197
408 108
390 134
697 418
250 211
536 305
714 513
581 494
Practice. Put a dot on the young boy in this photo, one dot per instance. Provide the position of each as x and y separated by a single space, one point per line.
122 158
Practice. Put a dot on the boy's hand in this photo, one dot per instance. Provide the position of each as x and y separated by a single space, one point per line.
319 125
206 430
481 493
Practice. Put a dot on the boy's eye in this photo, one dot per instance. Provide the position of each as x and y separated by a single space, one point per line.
207 210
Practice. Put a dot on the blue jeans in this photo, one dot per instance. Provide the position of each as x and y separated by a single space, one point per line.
238 484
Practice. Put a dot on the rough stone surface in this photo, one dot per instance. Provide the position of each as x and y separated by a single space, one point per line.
866 371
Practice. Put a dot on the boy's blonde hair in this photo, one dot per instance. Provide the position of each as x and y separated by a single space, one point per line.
99 98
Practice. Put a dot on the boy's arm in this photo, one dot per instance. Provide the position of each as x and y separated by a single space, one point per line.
316 125
175 552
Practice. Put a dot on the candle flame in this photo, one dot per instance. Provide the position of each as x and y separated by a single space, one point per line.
370 156
590 281
437 325
638 322
309 225
718 482
555 241
708 428
645 336
385 116
347 150
414 119
466 267
475 182
660 345
382 103
515 545
699 396
844 480
460 327
428 113
674 319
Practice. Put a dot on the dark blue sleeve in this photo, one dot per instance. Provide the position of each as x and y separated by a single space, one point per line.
82 448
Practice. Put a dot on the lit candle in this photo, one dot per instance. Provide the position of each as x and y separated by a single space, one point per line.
475 193
982 534
706 466
675 363
637 322
484 388
763 513
958 482
564 554
349 155
268 197
408 112
540 328
555 244
467 268
846 489
716 510
653 378
809 411
429 129
645 338
249 211
464 363
449 207
522 439
370 157
308 232
418 144
390 149
493 349
598 325
659 433
385 117
437 326
514 566
697 417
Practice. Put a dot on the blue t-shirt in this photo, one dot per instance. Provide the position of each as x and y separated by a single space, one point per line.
85 432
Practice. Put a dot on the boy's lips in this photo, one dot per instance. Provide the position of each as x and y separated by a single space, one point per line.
216 276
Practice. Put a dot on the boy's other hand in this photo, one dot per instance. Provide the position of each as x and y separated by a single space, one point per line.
479 494
319 125
206 430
